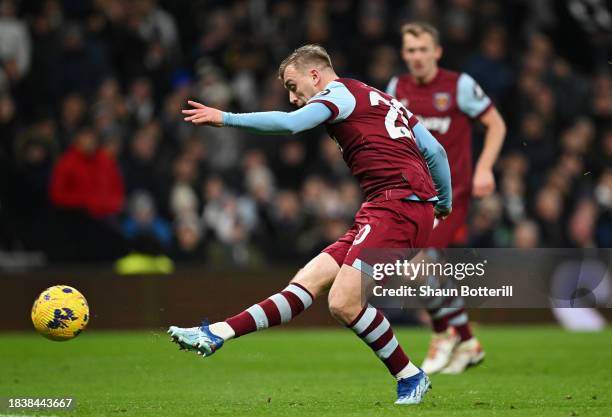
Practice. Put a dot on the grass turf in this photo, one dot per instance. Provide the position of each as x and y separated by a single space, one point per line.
529 371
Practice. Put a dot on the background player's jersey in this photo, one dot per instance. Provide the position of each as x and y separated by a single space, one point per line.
446 106
373 131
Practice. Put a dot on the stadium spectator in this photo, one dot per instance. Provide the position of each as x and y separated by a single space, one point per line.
489 65
80 65
549 207
189 240
35 153
73 117
144 225
140 102
330 164
15 48
87 190
140 164
87 178
484 223
259 180
288 226
290 166
526 235
109 109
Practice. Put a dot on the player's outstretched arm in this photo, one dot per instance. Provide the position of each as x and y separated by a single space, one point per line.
203 115
271 122
437 161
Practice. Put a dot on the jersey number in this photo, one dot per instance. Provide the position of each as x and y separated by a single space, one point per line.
395 109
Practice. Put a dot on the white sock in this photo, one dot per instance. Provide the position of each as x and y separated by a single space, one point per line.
408 371
223 330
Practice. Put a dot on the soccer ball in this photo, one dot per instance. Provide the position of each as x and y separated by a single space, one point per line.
60 313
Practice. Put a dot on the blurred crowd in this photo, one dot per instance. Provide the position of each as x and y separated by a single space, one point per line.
96 161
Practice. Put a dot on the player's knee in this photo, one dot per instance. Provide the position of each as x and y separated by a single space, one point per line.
341 307
337 307
318 275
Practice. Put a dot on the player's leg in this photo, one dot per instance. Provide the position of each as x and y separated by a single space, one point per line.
453 348
371 326
382 226
310 282
444 340
347 306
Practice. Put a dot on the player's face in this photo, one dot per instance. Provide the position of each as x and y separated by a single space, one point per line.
300 84
421 54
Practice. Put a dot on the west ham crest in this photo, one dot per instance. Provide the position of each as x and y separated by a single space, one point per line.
441 101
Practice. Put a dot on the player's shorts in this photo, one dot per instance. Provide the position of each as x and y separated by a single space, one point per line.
445 231
384 224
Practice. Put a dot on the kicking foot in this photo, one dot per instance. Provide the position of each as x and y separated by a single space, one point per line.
197 339
412 390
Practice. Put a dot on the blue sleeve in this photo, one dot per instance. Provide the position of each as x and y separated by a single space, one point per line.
470 97
392 86
278 122
338 99
436 159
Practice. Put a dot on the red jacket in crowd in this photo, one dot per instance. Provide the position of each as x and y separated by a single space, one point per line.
89 182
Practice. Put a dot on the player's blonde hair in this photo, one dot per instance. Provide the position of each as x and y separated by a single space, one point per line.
307 54
419 28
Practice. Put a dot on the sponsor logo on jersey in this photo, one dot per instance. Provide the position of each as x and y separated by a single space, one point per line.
442 101
323 93
436 124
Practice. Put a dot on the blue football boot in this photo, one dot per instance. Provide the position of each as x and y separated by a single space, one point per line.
412 390
198 339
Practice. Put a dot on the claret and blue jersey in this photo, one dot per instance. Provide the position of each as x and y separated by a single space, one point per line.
446 106
387 149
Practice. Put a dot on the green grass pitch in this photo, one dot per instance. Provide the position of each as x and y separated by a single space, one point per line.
529 371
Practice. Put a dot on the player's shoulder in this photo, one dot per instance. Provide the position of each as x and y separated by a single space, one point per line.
446 75
338 95
338 87
468 86
348 83
462 82
471 99
344 88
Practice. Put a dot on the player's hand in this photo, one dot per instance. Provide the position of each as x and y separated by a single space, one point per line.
202 115
483 183
442 212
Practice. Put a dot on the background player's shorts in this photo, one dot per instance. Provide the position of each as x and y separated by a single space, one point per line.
445 231
384 224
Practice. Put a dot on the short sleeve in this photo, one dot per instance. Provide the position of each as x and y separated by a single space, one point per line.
392 86
470 97
338 99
